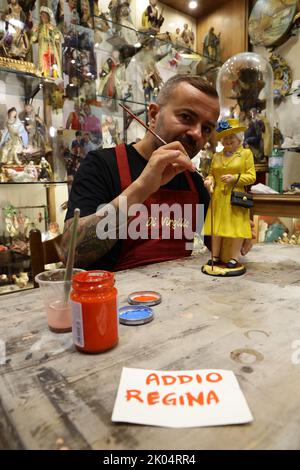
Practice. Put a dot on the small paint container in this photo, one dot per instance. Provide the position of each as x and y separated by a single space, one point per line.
135 315
145 297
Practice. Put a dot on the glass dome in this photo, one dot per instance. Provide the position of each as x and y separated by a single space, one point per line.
245 87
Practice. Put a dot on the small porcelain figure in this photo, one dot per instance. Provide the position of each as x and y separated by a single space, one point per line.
31 170
45 170
35 127
21 280
49 39
254 136
52 232
188 36
17 24
211 45
285 238
151 19
205 160
14 139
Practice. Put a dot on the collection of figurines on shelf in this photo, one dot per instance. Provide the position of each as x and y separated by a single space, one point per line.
14 244
273 230
26 23
23 146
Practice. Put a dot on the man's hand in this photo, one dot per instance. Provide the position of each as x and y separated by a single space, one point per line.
165 163
228 179
248 242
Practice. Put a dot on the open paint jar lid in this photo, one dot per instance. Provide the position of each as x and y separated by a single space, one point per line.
144 297
135 315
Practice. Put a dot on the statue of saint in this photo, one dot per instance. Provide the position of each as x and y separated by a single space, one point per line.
14 139
45 170
49 39
151 19
14 40
188 36
211 45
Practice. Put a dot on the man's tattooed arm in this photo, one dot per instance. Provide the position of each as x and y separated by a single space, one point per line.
89 247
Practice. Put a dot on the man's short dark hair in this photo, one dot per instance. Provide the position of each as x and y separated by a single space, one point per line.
198 82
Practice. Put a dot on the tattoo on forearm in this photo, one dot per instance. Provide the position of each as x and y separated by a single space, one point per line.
89 247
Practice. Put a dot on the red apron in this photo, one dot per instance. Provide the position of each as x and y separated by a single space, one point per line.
145 251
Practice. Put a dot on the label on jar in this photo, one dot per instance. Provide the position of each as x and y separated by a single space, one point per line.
77 325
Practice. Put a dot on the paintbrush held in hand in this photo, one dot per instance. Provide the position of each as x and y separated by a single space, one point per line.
143 124
71 253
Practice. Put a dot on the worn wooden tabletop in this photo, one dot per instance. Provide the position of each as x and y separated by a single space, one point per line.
53 397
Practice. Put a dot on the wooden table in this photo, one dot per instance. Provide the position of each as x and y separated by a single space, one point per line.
278 205
53 396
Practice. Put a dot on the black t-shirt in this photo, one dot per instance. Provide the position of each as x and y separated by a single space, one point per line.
97 182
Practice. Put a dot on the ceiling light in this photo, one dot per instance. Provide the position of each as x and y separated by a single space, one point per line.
193 5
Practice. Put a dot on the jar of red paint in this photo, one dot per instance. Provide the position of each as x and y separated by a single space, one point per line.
94 311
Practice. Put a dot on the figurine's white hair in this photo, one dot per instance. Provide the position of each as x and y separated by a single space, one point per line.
240 136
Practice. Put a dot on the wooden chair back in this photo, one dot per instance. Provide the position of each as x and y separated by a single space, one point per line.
42 252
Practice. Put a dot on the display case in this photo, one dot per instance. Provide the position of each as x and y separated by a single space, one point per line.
64 69
245 87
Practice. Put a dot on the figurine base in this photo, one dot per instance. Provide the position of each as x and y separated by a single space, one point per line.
221 270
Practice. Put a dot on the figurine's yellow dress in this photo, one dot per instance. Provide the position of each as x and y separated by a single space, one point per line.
230 221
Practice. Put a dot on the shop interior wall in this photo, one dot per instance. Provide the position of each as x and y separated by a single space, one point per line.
231 21
173 18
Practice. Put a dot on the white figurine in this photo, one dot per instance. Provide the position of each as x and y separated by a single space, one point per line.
14 139
21 279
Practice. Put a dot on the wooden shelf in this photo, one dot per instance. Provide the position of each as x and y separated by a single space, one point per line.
282 205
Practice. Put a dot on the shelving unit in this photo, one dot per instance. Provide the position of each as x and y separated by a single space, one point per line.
103 63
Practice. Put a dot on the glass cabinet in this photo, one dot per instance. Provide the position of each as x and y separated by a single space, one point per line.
64 69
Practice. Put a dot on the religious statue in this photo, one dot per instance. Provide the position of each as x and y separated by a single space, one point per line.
49 39
187 36
277 137
86 18
110 132
71 15
205 160
152 82
31 171
211 45
35 127
254 136
176 37
45 173
14 139
52 232
110 77
128 93
14 40
128 32
151 19
11 223
246 88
